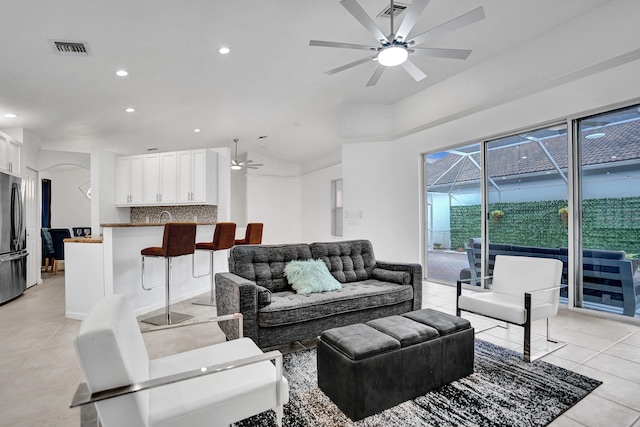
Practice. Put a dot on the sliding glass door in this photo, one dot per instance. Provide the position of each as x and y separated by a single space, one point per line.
527 188
609 161
452 180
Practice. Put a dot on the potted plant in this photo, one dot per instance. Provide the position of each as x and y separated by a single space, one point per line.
564 215
497 214
437 245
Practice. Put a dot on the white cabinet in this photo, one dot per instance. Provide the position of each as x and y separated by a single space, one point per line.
129 180
151 178
160 181
169 177
9 154
198 177
175 178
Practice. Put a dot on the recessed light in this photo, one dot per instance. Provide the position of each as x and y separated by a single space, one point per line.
10 115
122 73
224 50
595 135
130 110
196 130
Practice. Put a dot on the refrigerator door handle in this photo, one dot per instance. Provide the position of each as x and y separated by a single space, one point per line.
14 256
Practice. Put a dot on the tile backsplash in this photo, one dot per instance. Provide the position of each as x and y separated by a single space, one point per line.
192 213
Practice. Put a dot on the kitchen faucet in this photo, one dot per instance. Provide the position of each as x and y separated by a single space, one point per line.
165 212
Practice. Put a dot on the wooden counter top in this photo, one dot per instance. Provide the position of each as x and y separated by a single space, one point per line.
83 240
145 224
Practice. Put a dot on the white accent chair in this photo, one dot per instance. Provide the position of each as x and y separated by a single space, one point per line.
523 290
210 386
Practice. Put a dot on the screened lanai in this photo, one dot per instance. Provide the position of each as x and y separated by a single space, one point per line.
527 181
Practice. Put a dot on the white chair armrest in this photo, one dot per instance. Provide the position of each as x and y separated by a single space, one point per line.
545 290
83 397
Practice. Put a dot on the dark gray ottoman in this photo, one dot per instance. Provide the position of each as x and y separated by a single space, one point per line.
367 368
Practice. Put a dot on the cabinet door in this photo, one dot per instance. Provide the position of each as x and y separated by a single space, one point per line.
14 156
136 189
168 177
184 176
4 153
151 178
123 180
199 176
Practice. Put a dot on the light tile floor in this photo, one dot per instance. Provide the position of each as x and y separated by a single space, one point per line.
39 372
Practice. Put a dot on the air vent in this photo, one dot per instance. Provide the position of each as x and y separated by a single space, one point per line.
64 47
398 8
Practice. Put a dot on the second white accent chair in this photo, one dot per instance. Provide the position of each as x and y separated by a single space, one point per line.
523 290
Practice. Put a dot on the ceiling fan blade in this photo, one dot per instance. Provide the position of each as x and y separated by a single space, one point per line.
376 75
341 45
456 23
415 72
441 53
413 13
349 65
358 12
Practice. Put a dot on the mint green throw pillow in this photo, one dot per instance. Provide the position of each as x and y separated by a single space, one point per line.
310 276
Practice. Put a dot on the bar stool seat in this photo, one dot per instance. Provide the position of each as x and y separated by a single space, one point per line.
223 238
178 240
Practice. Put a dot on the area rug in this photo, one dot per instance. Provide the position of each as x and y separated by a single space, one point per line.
502 391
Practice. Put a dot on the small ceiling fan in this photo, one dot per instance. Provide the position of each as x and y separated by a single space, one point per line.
395 48
236 165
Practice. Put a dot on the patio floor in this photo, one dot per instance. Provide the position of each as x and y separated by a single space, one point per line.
444 266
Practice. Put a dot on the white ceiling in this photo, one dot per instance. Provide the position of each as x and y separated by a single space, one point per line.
272 83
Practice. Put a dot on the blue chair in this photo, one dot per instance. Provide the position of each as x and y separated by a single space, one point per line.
57 236
48 253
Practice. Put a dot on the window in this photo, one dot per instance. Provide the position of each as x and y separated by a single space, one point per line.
336 207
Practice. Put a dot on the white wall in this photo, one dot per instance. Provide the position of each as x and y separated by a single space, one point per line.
381 198
316 204
103 199
274 197
69 206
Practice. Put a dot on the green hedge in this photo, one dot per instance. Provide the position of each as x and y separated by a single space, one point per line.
607 224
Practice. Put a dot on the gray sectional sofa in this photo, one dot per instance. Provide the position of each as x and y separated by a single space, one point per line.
274 314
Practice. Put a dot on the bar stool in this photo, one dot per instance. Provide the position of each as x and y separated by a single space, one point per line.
223 238
179 239
253 235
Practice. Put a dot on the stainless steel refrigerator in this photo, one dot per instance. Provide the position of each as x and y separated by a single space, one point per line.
13 238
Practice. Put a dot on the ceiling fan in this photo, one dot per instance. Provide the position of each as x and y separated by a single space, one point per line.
395 48
236 165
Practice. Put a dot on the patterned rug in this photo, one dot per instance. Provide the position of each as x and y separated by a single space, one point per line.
502 391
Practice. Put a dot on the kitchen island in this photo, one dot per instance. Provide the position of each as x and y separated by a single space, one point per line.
112 265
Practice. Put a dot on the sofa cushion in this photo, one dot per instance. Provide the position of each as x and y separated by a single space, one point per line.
264 264
399 277
310 276
348 261
288 307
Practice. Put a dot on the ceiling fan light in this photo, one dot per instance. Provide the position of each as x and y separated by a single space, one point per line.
392 56
236 167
